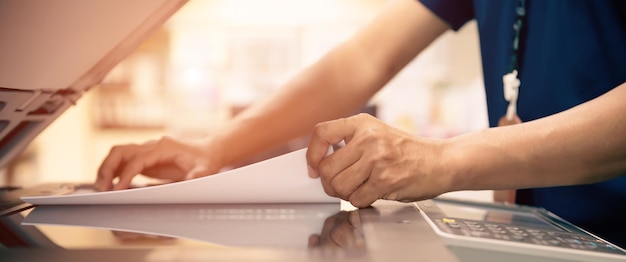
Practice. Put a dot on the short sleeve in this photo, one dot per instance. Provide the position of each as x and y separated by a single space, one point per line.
454 12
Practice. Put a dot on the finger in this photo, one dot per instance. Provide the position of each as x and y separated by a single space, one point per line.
354 219
350 179
344 235
314 241
365 195
106 172
129 171
324 135
341 173
197 171
339 160
332 166
164 171
137 164
176 170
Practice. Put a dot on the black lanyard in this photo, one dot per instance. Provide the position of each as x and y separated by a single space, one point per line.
520 10
510 80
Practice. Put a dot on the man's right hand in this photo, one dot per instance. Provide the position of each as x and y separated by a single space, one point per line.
166 158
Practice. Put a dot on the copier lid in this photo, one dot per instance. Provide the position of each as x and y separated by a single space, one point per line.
51 52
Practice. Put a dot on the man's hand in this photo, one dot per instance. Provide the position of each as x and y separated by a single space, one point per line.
165 158
377 162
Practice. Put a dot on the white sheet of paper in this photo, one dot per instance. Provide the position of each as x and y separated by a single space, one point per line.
281 179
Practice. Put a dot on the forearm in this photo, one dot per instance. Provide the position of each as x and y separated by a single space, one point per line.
337 85
585 144
321 92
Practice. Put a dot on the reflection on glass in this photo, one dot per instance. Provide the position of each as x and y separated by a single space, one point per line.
134 238
261 225
341 230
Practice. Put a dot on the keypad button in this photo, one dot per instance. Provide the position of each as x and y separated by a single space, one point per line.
479 234
453 225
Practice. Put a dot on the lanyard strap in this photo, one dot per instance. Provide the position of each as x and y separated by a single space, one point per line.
520 10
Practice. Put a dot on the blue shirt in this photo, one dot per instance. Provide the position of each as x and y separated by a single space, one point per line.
571 52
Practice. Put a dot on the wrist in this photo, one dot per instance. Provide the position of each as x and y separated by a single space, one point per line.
457 164
213 150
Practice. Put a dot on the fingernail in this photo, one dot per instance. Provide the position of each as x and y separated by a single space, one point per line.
312 173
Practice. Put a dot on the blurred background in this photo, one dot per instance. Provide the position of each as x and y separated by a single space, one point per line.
215 57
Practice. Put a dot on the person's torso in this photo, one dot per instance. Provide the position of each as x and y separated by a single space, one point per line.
571 51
